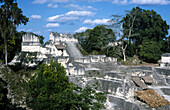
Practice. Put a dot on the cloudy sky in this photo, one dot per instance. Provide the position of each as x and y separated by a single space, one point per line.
73 16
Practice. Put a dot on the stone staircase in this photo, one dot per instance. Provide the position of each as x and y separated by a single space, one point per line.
73 51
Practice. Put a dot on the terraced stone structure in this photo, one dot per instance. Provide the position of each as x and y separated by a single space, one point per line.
105 74
60 47
123 92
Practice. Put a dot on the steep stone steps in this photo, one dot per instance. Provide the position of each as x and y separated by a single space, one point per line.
73 51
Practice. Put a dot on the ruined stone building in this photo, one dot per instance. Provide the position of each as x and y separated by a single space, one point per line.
60 47
165 60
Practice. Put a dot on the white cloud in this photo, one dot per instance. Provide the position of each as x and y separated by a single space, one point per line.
64 1
29 30
120 2
99 0
115 1
60 1
140 2
80 13
124 2
26 30
77 7
70 16
37 32
52 25
50 1
53 18
81 29
150 2
96 21
36 16
39 1
62 18
50 5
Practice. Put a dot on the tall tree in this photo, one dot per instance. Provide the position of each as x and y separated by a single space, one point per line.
10 17
124 37
96 39
149 26
14 46
150 51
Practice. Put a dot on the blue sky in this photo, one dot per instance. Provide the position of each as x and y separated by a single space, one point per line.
70 16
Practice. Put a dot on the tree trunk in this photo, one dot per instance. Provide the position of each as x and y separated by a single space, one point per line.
124 55
6 47
124 52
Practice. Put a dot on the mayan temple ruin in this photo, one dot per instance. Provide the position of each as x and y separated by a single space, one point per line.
84 55
127 87
60 47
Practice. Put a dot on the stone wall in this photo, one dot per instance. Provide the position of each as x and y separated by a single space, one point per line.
30 43
59 37
162 75
165 60
29 37
96 58
116 80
